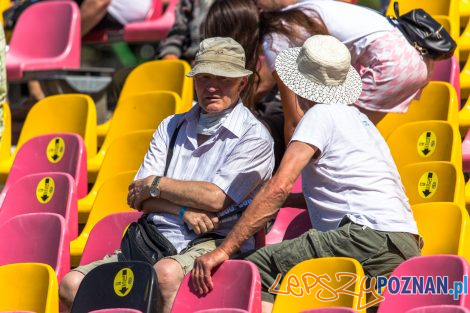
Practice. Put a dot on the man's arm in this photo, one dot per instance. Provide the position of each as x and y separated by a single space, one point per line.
175 42
201 195
265 205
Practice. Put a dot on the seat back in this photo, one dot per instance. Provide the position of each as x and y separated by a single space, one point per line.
331 310
223 310
46 36
5 140
36 237
438 101
111 198
65 113
158 75
426 141
28 287
288 224
116 310
58 152
130 285
43 192
440 309
442 7
436 181
442 226
448 70
233 277
105 236
304 271
140 112
429 267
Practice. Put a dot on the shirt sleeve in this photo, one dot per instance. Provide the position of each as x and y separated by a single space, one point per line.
155 159
248 166
315 128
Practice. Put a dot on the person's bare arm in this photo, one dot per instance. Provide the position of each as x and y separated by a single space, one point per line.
92 12
265 205
292 111
201 195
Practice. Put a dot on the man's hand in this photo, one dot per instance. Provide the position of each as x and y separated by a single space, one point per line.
139 191
203 266
199 221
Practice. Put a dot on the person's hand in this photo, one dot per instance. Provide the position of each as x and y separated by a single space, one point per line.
139 191
170 56
202 270
199 221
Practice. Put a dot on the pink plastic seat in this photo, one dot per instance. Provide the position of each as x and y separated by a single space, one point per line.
36 237
452 266
466 152
46 37
448 71
61 152
223 310
237 284
116 310
105 237
289 223
40 193
440 309
154 28
331 310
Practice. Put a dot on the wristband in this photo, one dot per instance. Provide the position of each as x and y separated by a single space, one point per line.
182 211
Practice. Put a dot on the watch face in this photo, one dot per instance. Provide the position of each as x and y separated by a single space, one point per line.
153 191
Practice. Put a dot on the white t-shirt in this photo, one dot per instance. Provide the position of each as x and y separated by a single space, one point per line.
126 11
353 25
354 174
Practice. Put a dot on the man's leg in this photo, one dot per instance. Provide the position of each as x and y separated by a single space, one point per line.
171 271
68 288
69 285
92 12
169 275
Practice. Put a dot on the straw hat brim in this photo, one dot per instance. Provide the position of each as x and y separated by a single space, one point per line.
219 69
346 93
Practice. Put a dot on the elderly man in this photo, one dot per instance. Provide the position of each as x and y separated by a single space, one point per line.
221 157
354 195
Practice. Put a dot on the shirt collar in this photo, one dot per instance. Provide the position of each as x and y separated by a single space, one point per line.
232 123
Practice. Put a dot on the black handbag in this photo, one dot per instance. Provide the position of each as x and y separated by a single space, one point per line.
142 240
423 32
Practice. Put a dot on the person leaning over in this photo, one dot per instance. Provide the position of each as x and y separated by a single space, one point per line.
222 156
353 192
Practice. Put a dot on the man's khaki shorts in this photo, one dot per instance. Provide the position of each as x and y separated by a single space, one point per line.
185 258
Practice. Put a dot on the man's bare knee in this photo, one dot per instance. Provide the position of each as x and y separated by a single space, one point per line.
169 274
69 286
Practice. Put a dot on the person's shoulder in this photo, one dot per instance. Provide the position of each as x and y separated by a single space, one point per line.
254 127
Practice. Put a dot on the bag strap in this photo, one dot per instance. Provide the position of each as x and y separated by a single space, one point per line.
396 9
171 147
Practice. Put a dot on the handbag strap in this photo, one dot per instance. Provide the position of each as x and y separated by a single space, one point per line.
171 147
396 9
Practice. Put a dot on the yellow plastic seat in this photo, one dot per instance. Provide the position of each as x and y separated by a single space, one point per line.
5 140
443 226
448 8
464 11
72 113
135 112
125 153
317 267
29 287
464 118
438 101
436 181
4 4
110 198
157 75
426 141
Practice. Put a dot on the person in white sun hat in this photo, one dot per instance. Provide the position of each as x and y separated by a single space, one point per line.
353 192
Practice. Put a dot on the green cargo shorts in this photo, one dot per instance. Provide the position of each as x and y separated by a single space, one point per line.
378 252
185 258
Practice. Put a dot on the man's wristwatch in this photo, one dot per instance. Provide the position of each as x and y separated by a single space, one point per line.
154 190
